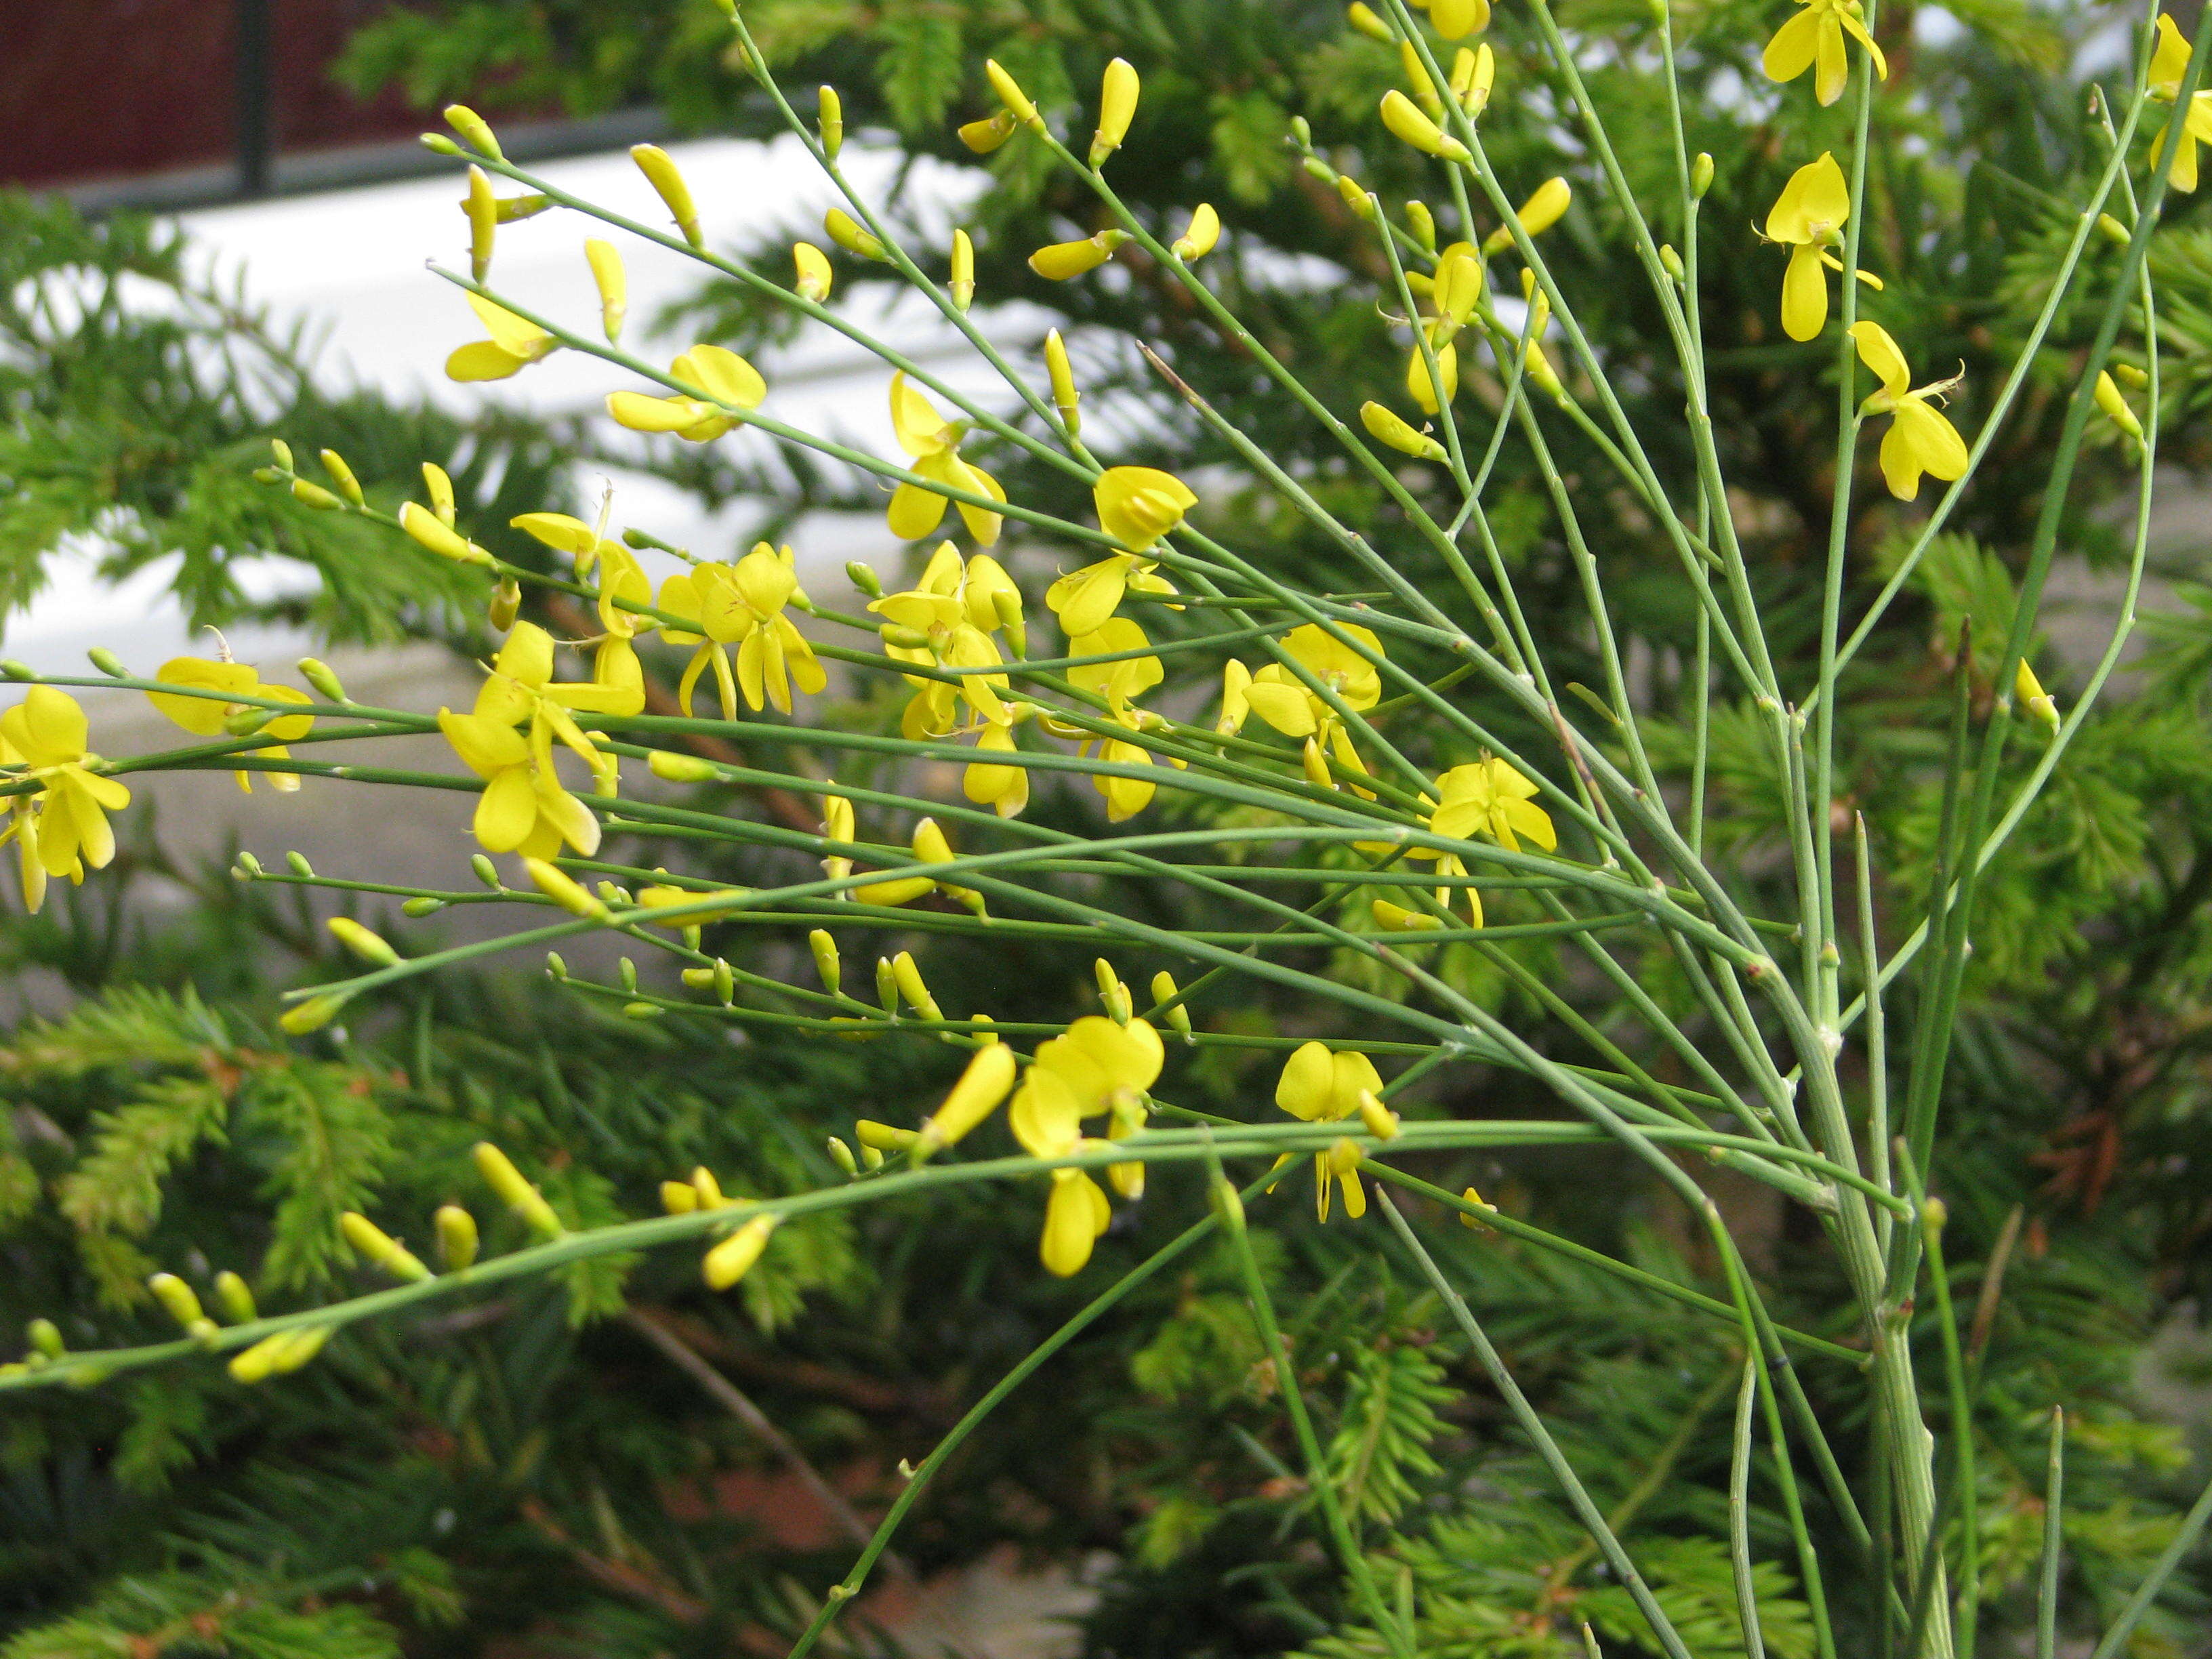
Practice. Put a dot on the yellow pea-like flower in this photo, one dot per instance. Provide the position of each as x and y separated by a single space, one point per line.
1199 240
961 280
1410 124
1454 19
482 211
1813 40
514 346
1921 438
1319 1086
613 284
1490 798
986 135
1011 94
811 265
1063 260
733 1258
2169 64
988 1081
1808 217
1386 427
1545 208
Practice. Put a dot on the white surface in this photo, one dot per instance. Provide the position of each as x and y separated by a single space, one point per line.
351 265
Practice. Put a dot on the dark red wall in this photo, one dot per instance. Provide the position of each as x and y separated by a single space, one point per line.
103 89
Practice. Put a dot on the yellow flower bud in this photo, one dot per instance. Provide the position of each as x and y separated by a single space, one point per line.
1382 1122
1062 260
1386 428
1354 196
906 976
312 1015
678 1197
986 135
613 283
315 495
368 946
2116 407
235 1299
883 1137
849 233
177 1299
708 1188
841 1156
1422 223
439 538
457 1237
1317 766
556 884
825 959
2132 375
1166 990
1473 1197
2113 229
2028 693
1363 18
1064 394
1117 104
341 476
1113 993
1422 387
1396 918
1410 125
1016 101
673 768
380 1247
813 275
668 183
474 128
988 1081
508 1185
273 1356
1472 74
482 211
833 122
730 1260
962 278
1538 214
1198 241
1416 76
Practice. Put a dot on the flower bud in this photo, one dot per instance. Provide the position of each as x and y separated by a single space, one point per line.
1473 1197
475 128
508 1185
673 768
1386 428
906 976
863 577
825 959
2113 229
380 1247
887 986
1543 210
1671 262
273 1356
841 1156
504 605
177 1299
312 1015
317 674
234 1298
1227 1204
986 135
421 905
283 452
1113 993
342 475
988 1080
1198 240
2028 693
1011 94
1362 17
1063 260
438 143
1117 104
961 282
1409 124
362 943
849 233
678 1197
730 1260
433 534
18 671
1382 1122
1472 74
1701 180
485 872
315 496
1422 223
556 884
2116 407
811 277
2132 375
556 969
613 283
1064 397
883 1137
106 661
832 109
483 214
1354 197
668 183
1166 990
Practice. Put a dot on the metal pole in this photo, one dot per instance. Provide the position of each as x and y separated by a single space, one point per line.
255 89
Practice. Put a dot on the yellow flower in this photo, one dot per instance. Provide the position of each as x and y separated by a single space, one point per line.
933 443
1095 1066
1138 505
742 605
1489 798
1808 216
1921 438
63 826
1318 1086
514 344
955 610
1815 35
1119 683
1004 789
525 807
1456 18
1063 260
1125 797
723 381
1282 700
2167 66
204 717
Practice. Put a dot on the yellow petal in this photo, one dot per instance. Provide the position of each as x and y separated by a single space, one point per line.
1138 505
920 427
1881 354
1804 295
723 376
506 811
1815 197
1790 52
1083 599
201 716
1308 1085
483 359
1071 1222
1045 1116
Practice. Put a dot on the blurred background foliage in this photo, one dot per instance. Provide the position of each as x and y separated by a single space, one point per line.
535 1468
